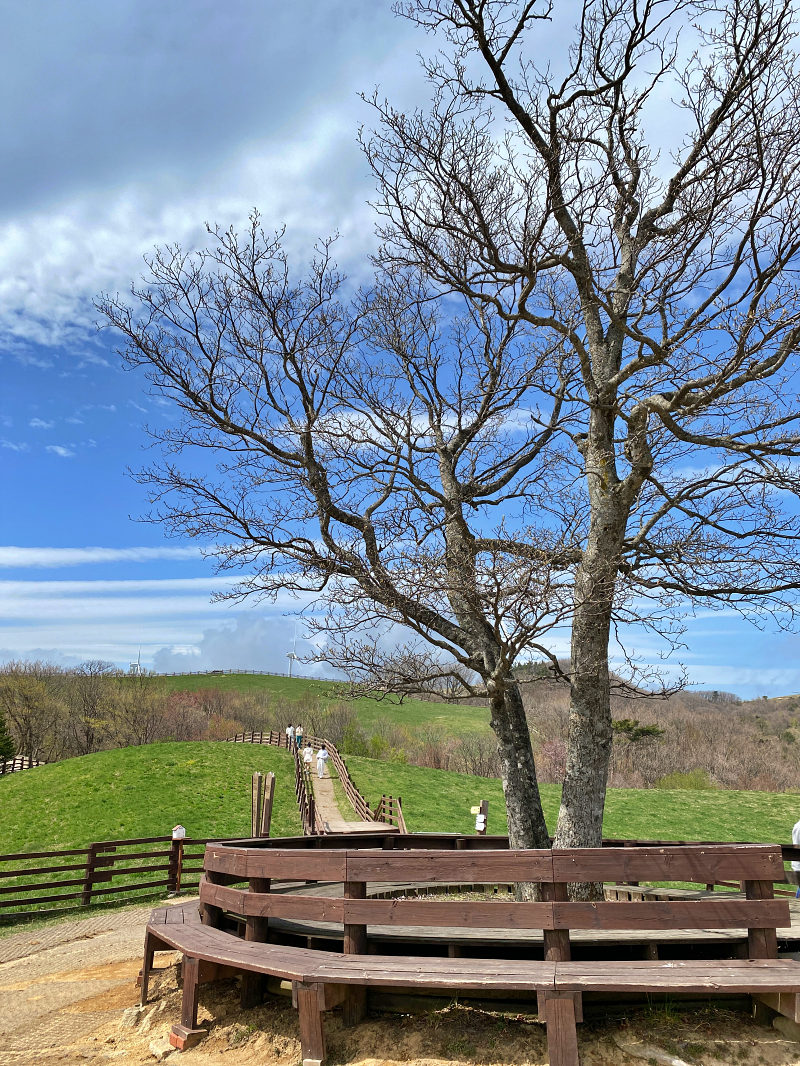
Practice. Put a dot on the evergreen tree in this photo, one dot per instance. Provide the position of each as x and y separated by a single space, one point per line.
6 743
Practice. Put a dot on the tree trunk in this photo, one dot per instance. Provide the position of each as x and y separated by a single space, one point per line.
580 817
526 824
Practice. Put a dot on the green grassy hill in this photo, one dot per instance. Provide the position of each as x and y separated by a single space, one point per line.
450 718
141 792
144 791
438 800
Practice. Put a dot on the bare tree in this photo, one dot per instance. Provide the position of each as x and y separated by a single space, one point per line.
362 453
89 696
30 699
666 283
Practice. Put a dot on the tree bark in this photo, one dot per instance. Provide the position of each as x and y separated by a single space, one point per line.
580 817
526 824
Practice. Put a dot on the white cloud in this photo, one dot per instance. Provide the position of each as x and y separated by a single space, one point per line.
54 261
59 449
20 446
53 558
251 642
38 423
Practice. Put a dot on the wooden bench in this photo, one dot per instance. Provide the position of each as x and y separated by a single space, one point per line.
324 979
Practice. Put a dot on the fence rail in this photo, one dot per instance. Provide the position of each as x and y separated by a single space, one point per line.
19 762
388 809
22 893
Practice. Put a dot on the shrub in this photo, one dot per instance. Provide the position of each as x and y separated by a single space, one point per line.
694 779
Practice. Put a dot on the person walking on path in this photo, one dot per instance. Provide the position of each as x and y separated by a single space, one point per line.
795 863
322 758
298 736
308 755
289 736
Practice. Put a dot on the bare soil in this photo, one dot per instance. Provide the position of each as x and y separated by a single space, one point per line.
63 1001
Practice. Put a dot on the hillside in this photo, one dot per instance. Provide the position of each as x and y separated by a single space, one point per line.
411 714
143 791
437 800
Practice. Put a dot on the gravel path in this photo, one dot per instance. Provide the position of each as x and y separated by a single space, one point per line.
60 984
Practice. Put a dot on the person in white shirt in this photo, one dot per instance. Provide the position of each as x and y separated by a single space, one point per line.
289 736
322 758
796 842
308 755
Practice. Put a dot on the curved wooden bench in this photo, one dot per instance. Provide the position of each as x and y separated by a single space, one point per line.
323 979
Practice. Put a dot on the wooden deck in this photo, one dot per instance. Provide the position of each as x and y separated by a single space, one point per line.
501 935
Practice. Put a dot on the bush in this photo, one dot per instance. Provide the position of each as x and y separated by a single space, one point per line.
697 780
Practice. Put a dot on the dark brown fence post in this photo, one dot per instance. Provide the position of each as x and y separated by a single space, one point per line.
354 1008
256 929
92 865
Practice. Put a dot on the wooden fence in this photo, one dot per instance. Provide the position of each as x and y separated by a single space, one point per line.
388 809
19 762
304 791
91 871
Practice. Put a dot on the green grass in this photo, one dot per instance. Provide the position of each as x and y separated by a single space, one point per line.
412 714
141 792
439 801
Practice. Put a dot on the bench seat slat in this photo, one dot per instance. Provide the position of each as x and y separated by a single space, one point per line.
729 975
303 964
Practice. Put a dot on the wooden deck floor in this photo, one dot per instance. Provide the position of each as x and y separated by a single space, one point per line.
461 936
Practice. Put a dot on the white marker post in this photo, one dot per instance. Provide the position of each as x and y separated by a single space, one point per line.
481 817
179 835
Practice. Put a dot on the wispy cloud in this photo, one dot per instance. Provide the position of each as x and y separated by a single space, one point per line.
39 423
54 558
19 446
59 449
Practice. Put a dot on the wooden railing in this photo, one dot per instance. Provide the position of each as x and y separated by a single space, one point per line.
388 810
25 885
304 791
19 762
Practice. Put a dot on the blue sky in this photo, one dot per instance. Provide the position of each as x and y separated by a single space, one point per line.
128 125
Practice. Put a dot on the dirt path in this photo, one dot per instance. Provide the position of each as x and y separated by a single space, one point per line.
64 991
328 808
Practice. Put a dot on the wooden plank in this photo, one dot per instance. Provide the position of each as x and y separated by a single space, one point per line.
27 901
562 1037
273 905
312 1032
657 914
443 866
730 975
24 855
761 943
450 914
33 871
737 862
38 885
283 863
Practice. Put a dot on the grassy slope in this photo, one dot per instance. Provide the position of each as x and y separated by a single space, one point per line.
412 713
438 800
145 791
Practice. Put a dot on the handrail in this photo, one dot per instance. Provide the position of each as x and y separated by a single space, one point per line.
388 809
304 791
